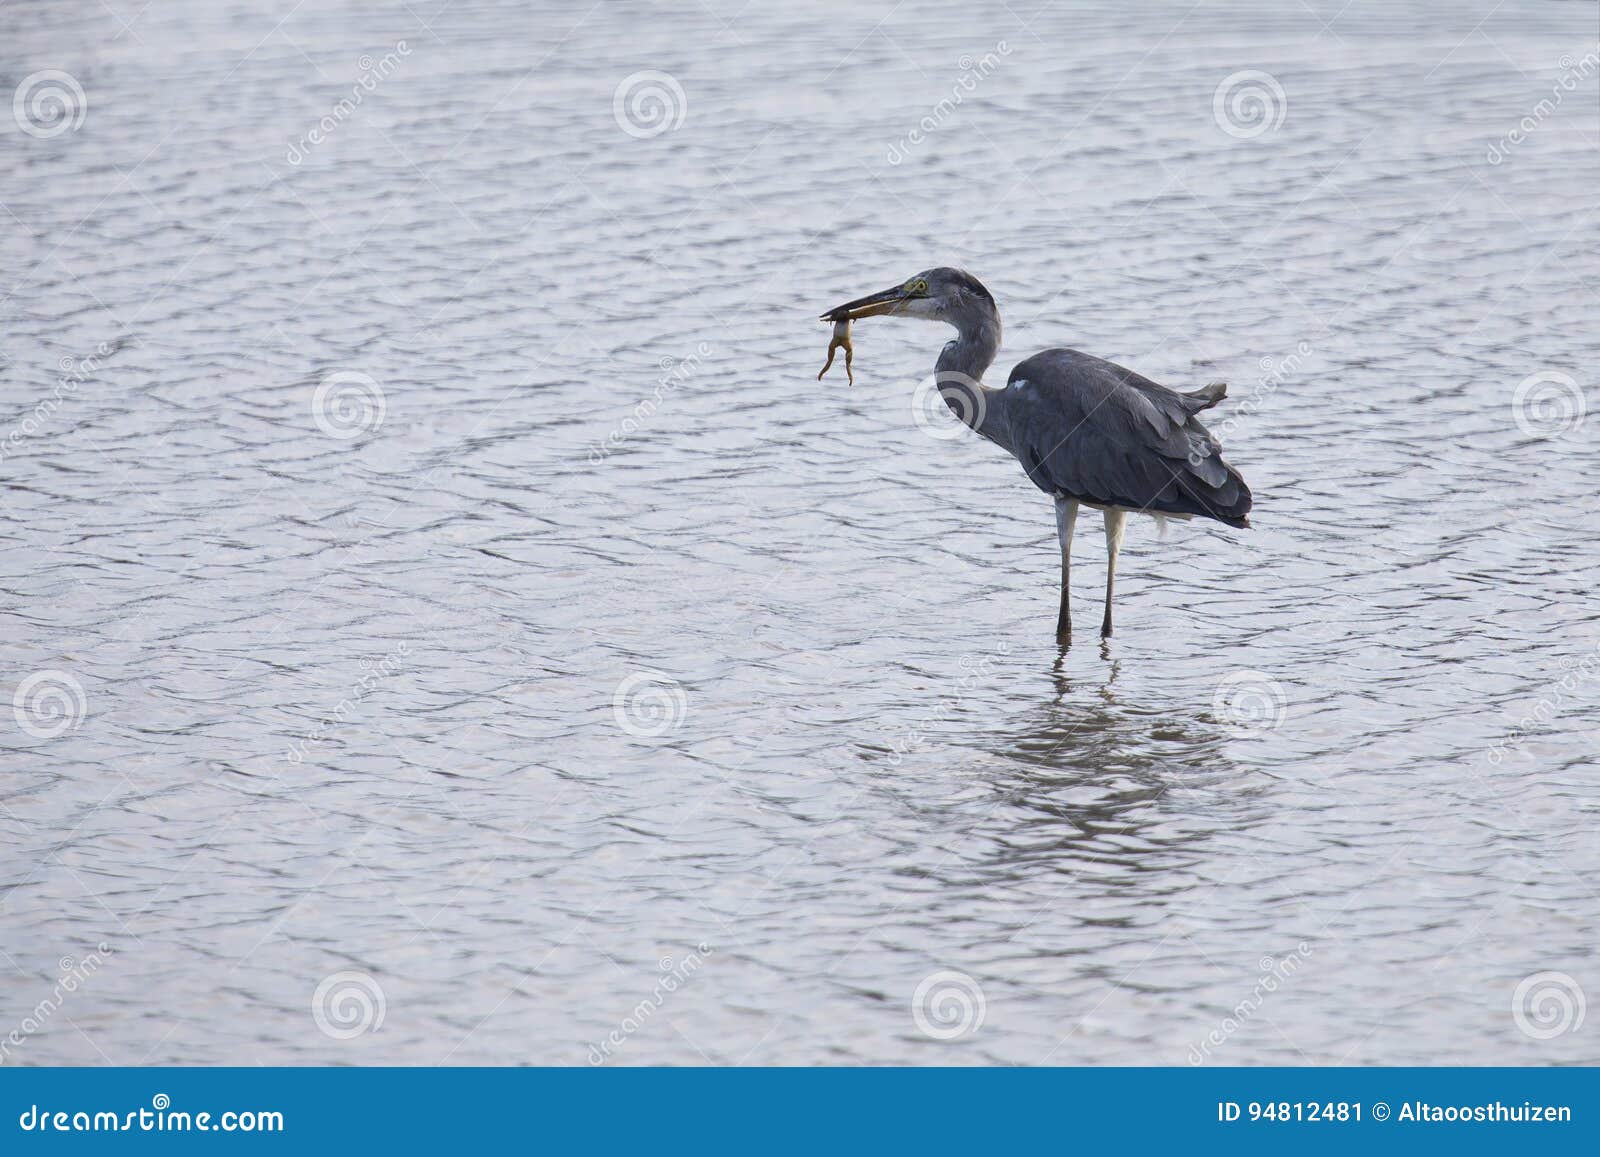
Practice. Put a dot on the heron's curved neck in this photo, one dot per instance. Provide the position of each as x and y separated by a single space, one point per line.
961 365
972 352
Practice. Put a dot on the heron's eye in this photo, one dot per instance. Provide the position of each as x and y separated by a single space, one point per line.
918 286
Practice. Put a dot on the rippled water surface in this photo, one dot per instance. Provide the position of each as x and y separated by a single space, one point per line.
430 558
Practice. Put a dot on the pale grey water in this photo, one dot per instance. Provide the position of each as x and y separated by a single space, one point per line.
872 766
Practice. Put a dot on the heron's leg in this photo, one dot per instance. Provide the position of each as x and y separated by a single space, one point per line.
1115 520
1066 519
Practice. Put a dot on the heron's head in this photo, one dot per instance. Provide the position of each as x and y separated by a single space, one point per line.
943 294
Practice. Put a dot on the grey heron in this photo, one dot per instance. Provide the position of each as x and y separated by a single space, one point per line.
1088 432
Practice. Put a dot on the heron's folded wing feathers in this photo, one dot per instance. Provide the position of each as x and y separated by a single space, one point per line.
1097 432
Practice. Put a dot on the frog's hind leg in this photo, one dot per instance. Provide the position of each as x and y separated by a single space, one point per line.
828 365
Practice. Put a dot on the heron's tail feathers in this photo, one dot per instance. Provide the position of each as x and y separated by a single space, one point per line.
1206 396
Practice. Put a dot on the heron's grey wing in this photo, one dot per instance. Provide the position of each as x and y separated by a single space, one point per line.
1097 432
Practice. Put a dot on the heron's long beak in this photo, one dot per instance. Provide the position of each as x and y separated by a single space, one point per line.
869 306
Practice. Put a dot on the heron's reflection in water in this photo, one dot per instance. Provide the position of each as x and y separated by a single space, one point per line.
1089 776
